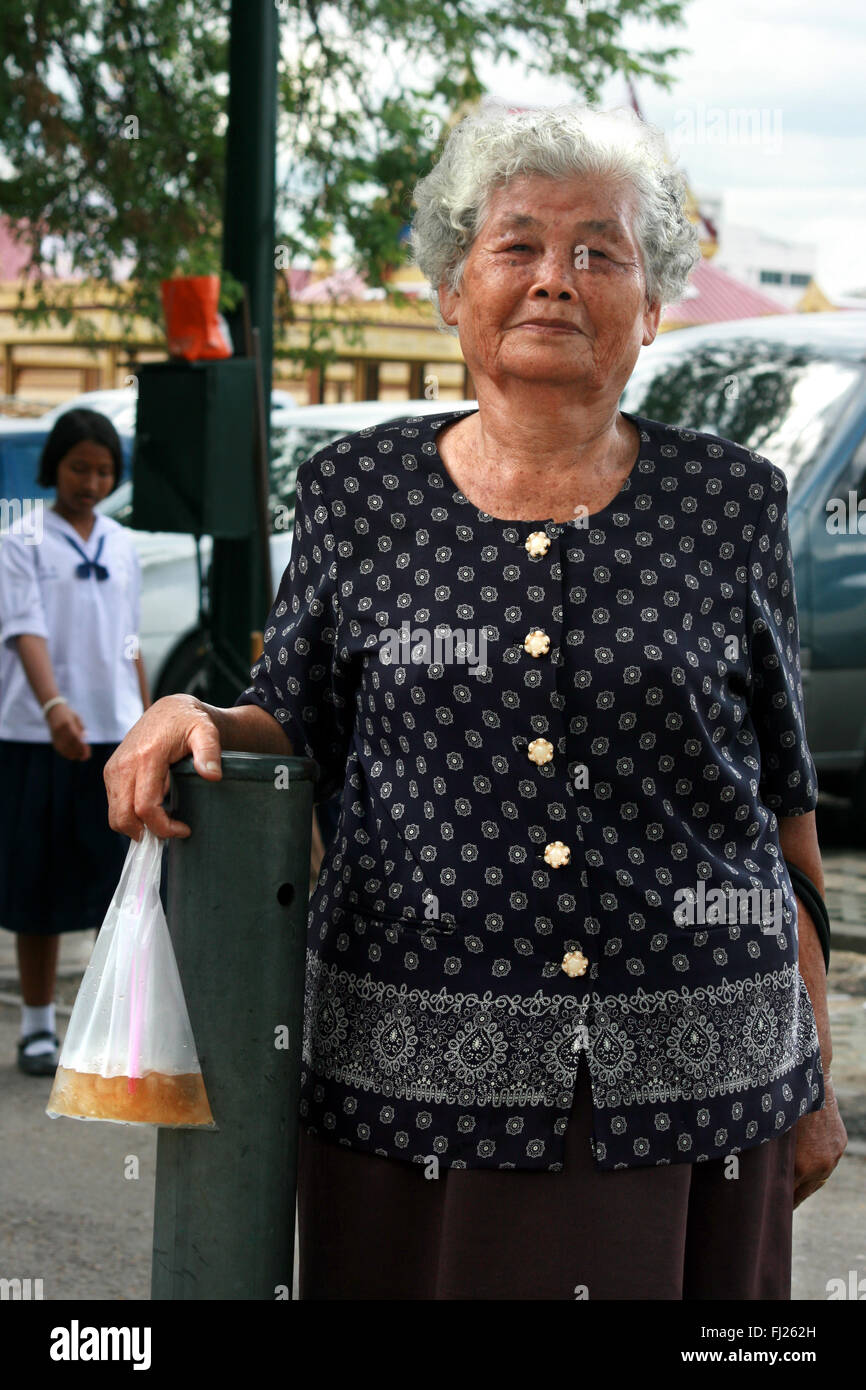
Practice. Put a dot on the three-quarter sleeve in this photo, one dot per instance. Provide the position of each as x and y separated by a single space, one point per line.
300 677
788 783
21 608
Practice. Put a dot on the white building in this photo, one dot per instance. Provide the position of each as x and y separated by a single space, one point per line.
780 269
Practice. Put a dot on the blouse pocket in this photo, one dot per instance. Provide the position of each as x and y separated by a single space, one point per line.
395 929
751 945
362 941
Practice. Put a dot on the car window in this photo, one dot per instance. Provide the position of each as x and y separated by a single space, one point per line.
290 445
118 504
19 465
781 401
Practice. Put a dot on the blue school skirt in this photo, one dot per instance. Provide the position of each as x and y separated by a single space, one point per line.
60 860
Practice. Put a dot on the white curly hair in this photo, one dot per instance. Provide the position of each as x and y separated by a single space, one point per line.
495 146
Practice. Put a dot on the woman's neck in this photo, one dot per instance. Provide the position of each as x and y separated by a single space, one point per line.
539 465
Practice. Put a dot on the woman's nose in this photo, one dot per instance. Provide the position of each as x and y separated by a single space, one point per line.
557 278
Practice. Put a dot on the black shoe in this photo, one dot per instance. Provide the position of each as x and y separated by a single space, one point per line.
44 1063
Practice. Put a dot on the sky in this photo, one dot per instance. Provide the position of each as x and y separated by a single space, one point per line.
801 64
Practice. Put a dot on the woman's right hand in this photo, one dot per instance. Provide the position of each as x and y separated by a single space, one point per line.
67 734
136 775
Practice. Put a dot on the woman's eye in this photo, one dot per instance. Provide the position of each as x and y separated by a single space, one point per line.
598 253
519 246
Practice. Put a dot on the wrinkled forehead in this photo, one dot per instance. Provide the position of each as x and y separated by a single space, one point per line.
535 203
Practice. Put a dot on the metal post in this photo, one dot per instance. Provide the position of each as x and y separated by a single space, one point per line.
239 591
224 1214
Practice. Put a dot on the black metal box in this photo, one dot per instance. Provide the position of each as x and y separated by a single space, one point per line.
192 466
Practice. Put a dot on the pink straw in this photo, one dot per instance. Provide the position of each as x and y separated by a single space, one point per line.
136 1004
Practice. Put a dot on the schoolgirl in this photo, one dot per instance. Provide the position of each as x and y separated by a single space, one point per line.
72 684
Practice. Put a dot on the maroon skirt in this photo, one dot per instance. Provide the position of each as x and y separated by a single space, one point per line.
377 1228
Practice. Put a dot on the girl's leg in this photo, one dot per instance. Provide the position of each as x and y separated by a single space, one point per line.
37 967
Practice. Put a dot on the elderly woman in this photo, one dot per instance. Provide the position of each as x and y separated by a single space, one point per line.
566 1032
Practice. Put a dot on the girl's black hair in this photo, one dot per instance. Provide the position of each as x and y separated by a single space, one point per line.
78 426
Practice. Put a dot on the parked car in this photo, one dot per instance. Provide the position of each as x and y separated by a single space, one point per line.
22 441
118 403
173 642
21 445
793 388
170 597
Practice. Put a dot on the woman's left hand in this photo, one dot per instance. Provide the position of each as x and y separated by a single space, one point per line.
821 1141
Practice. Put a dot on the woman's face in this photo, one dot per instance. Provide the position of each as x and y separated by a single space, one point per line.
85 475
553 288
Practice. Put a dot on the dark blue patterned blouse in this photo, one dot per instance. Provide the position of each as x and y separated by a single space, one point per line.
562 748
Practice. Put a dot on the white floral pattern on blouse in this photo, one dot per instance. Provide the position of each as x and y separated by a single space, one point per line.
440 1018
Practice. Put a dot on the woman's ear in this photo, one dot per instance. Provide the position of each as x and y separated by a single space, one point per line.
448 302
652 315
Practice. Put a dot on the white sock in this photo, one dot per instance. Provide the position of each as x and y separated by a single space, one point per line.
37 1018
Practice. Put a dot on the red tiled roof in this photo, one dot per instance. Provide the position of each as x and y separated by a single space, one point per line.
338 287
719 296
298 278
14 254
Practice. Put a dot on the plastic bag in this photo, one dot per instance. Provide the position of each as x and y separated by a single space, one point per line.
193 327
129 1053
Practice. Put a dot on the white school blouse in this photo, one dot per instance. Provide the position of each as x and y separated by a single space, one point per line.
90 625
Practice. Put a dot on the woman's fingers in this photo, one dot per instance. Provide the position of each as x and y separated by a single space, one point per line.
147 808
69 746
78 738
821 1142
204 745
137 773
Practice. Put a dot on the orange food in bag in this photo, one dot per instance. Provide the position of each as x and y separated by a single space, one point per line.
155 1099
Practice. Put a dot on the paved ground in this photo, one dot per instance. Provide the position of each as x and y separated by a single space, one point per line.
71 1217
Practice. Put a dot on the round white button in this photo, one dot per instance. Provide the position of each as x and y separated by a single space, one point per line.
574 963
556 854
538 543
540 751
536 643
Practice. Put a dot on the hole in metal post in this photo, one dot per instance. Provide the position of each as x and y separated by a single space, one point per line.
285 894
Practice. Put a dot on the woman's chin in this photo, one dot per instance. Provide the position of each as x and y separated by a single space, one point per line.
540 374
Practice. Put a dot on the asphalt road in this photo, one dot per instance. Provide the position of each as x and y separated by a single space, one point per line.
73 1216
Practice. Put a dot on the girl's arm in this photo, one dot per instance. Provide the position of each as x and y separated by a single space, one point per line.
142 682
33 653
65 727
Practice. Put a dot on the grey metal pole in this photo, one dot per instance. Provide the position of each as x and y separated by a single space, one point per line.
237 892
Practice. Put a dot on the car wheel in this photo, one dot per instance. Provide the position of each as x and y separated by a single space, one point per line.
187 670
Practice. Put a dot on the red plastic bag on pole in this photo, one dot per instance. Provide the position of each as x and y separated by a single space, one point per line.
192 321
